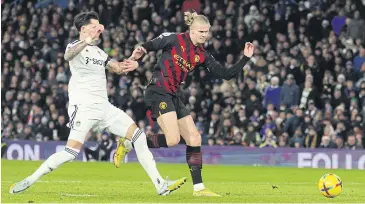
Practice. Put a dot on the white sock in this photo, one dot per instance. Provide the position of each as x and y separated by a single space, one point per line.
54 161
145 157
198 187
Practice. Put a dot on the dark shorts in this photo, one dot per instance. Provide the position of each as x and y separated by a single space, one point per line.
159 103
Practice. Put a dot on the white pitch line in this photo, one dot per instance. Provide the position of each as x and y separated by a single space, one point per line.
78 195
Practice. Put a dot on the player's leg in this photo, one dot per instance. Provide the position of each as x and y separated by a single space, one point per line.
164 110
74 144
70 152
194 156
121 124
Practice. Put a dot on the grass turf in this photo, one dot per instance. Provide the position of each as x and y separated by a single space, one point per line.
102 183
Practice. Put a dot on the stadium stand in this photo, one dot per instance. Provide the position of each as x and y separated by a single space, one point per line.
306 88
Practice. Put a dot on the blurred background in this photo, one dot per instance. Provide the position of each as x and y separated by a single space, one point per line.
305 90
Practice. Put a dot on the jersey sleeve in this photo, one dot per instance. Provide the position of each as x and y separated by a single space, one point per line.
163 41
105 56
70 45
218 70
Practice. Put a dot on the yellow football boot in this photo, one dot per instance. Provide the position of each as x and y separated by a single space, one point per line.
124 146
205 193
170 186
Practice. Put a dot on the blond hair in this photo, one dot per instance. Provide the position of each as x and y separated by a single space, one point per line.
192 16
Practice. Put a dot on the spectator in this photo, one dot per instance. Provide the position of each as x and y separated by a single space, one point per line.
283 141
359 60
293 49
272 93
352 143
297 140
253 104
289 93
356 27
269 139
311 138
339 21
62 130
226 131
327 143
268 125
252 16
293 122
251 138
308 93
339 143
102 151
191 4
214 126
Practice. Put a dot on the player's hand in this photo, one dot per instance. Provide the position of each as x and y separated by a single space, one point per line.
94 34
129 65
249 49
138 53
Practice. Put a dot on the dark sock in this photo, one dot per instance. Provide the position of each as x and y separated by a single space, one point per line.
156 141
195 162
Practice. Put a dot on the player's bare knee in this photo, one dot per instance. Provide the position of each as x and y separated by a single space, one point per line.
74 144
130 131
172 142
172 139
195 140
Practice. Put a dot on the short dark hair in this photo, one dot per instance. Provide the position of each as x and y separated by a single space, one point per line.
84 18
351 133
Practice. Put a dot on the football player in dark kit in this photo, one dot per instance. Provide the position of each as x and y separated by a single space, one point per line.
182 52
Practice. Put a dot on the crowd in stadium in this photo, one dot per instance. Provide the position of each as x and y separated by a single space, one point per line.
305 89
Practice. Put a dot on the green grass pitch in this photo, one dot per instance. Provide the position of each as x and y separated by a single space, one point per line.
102 183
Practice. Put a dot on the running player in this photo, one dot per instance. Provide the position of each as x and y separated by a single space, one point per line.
182 53
89 107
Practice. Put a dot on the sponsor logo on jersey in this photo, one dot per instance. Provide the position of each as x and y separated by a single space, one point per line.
183 64
94 61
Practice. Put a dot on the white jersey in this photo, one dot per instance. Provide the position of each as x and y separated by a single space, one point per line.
88 81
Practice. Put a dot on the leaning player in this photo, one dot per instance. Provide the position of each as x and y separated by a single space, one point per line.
89 107
182 52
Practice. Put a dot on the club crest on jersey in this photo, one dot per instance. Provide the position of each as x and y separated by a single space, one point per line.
197 58
78 123
163 105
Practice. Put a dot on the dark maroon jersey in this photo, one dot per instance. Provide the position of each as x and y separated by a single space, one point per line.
180 56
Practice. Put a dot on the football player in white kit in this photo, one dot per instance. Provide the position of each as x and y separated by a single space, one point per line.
89 107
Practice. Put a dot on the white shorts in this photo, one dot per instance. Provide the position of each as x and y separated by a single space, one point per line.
83 117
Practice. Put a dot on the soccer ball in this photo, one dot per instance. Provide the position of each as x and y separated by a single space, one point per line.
330 185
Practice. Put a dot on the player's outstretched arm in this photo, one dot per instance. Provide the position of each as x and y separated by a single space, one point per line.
75 50
113 66
120 67
163 41
93 35
219 71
